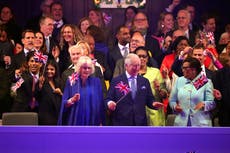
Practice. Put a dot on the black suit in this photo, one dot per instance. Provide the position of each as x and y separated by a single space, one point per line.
192 35
24 94
53 42
102 60
153 46
222 83
18 60
114 56
57 30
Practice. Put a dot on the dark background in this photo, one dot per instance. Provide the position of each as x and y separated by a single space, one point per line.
76 9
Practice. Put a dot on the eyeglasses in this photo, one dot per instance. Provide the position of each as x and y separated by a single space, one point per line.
142 56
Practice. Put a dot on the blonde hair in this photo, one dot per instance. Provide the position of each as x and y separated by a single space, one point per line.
85 46
77 35
84 60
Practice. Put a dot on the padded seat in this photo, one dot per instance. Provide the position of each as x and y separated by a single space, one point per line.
20 118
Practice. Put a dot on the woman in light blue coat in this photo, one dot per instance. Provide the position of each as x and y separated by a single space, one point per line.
192 96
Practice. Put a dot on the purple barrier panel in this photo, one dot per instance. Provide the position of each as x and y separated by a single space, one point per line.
44 139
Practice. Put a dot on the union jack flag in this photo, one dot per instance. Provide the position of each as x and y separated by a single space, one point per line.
210 37
107 18
17 85
123 88
73 78
200 82
38 56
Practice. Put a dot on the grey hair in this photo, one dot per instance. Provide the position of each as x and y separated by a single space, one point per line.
129 57
84 60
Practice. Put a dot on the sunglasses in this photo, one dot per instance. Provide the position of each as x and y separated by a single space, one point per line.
142 56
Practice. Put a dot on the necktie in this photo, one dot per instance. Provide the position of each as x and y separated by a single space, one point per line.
47 44
126 52
34 82
187 34
133 87
33 101
56 24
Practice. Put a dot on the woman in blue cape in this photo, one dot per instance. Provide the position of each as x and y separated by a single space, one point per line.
82 101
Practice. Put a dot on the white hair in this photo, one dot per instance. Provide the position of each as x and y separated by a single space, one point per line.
84 60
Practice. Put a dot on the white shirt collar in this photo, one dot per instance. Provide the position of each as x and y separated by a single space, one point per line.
121 46
59 23
129 76
203 69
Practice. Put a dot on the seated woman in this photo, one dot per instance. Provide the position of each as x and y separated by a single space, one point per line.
82 101
192 97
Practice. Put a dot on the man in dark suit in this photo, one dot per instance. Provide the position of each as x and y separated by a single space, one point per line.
183 21
197 52
25 100
56 11
19 59
33 23
47 27
121 49
128 95
141 24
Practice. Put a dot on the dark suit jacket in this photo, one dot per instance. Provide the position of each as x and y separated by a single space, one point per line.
102 60
153 45
56 32
114 56
18 60
192 35
222 83
53 42
24 94
130 111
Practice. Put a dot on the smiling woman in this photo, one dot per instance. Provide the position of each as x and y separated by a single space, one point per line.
192 96
82 102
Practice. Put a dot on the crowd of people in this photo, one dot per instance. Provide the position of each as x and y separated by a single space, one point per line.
83 74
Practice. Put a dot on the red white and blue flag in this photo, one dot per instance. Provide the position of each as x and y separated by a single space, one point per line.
107 18
17 85
200 82
73 78
38 56
123 88
210 37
